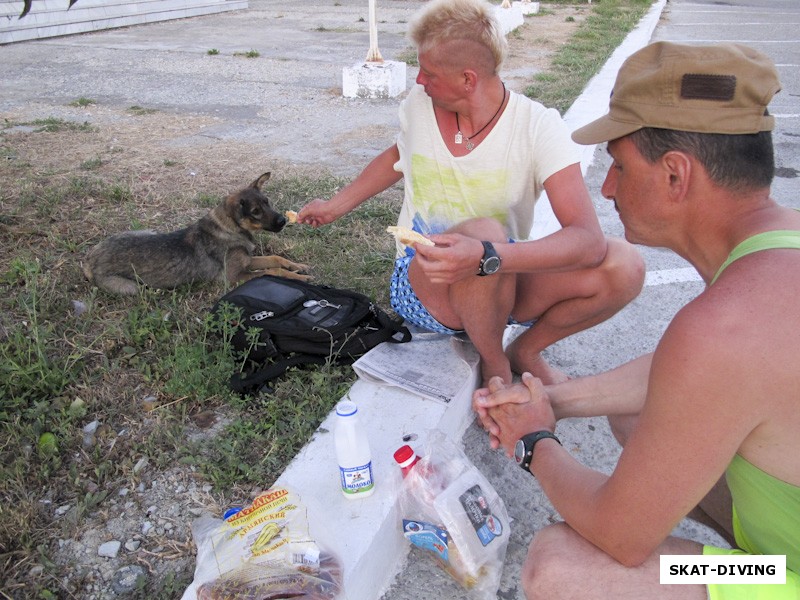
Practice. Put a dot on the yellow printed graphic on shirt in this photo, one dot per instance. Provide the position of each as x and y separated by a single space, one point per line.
445 196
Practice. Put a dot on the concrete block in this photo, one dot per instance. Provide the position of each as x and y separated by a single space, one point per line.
366 534
510 18
50 18
386 79
526 6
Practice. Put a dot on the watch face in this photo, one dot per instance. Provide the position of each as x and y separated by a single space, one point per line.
519 451
491 264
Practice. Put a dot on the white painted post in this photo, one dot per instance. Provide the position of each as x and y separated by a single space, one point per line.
374 54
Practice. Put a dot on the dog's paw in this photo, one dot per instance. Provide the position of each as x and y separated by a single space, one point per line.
299 268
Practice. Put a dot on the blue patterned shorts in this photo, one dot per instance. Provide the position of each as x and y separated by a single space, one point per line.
406 304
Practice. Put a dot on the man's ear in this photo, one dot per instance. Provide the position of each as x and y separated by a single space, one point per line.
678 168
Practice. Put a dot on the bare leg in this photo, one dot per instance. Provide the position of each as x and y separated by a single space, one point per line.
562 564
479 305
566 303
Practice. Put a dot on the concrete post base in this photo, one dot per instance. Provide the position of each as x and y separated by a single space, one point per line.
374 80
526 6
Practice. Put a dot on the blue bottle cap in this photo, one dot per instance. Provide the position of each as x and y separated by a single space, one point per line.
231 511
346 408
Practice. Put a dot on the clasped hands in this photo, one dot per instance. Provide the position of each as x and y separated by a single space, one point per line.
507 412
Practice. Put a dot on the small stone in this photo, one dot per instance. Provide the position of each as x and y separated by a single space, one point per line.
79 307
89 440
140 464
149 403
109 549
62 510
36 570
147 527
132 545
128 579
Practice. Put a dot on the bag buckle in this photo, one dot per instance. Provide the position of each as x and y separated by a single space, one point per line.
260 316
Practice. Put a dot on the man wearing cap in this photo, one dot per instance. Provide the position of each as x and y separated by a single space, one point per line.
713 414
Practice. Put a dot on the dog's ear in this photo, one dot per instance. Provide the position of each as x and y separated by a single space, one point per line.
261 180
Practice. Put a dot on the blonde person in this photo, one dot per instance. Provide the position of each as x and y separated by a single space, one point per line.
475 157
711 418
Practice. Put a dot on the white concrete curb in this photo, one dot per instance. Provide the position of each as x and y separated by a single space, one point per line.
365 534
593 103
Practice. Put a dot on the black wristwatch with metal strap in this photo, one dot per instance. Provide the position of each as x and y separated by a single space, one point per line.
523 450
490 263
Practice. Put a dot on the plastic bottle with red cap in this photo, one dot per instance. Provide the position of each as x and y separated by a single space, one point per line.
406 458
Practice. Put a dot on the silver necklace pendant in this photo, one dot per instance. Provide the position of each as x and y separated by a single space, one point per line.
470 145
459 138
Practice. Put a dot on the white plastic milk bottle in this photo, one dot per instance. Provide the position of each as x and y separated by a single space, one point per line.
352 452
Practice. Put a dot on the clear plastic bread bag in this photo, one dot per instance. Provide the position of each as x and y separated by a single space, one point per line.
262 552
449 509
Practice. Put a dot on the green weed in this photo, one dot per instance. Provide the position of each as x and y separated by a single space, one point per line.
53 124
140 110
82 102
579 60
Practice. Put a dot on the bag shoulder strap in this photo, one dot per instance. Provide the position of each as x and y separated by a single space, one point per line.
256 381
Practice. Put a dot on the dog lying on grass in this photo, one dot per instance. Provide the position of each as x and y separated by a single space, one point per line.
218 245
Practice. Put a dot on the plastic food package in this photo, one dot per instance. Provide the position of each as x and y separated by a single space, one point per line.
451 510
262 552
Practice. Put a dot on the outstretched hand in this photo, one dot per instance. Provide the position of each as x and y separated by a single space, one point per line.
508 412
316 213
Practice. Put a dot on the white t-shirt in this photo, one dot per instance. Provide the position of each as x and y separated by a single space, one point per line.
501 178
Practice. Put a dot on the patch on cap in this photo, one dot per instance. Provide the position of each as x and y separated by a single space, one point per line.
708 87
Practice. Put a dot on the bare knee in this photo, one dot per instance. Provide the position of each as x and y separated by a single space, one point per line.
625 269
550 562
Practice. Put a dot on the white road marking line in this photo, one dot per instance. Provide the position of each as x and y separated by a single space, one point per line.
666 276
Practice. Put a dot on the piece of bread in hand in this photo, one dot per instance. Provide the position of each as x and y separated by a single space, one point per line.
291 216
408 236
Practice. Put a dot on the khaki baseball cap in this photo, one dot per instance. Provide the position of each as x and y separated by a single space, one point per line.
706 89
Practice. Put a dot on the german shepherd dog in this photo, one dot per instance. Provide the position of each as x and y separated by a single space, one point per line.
220 244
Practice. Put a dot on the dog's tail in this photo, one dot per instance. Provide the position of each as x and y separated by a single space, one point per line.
86 264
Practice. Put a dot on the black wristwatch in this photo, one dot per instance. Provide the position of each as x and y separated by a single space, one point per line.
490 263
523 450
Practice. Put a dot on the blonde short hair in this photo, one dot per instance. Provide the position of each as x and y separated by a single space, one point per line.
441 22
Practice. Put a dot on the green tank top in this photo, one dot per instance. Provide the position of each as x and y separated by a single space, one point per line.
766 510
769 240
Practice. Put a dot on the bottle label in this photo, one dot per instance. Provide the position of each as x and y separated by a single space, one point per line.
356 480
